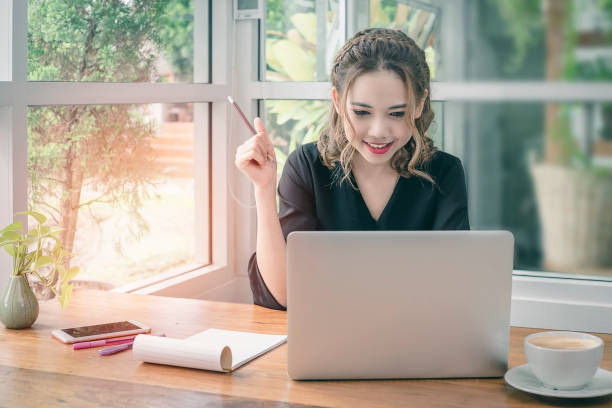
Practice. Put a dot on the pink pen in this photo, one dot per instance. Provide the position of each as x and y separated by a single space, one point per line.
105 342
246 121
116 349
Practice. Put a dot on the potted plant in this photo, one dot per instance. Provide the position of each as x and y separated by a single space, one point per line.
574 199
37 253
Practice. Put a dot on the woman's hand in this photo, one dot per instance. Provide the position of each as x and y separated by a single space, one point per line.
256 158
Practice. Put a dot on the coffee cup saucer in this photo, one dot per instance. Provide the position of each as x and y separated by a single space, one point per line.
522 378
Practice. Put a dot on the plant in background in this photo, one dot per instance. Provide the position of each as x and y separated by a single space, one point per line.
39 252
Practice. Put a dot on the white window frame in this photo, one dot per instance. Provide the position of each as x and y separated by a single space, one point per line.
211 153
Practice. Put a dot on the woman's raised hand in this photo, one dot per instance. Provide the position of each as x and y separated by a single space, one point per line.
256 158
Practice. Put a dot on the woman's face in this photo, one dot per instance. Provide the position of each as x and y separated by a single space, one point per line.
377 106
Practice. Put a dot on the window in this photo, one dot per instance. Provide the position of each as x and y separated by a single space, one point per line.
109 129
119 181
301 39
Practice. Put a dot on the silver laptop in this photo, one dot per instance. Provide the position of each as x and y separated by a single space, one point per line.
398 304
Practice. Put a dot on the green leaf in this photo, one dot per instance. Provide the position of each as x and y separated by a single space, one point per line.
72 273
11 236
306 24
10 250
43 261
16 226
297 63
65 296
270 57
36 215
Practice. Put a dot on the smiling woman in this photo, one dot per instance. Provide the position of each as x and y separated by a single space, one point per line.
373 168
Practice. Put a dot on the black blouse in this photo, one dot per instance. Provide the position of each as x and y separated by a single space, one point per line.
311 198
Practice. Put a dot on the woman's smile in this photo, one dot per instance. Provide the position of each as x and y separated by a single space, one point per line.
378 148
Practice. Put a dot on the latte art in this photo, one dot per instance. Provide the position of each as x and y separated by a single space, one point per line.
563 342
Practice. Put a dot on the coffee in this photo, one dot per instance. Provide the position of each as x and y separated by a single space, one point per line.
563 342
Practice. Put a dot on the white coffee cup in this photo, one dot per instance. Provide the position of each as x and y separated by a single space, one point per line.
563 360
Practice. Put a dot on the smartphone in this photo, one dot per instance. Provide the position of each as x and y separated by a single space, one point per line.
100 331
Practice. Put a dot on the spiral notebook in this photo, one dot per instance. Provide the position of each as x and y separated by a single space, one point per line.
212 349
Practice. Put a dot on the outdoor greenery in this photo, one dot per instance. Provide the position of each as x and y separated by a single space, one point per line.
526 23
291 56
85 155
39 252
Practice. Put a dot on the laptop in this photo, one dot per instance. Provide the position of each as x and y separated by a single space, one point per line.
398 304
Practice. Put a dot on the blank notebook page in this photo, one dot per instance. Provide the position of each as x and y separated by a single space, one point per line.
245 346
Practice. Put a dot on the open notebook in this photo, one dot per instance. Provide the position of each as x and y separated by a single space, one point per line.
212 349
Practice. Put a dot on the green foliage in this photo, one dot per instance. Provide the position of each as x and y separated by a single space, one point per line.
291 56
524 21
92 40
79 156
176 35
39 249
525 24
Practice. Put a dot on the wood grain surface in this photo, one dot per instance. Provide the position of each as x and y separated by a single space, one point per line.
37 370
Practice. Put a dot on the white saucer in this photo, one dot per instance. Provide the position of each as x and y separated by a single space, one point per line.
522 377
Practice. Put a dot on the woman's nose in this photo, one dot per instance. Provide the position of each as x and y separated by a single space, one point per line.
379 128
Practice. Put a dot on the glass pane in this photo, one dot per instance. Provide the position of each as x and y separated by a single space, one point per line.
126 42
119 180
417 19
291 123
544 172
301 39
532 40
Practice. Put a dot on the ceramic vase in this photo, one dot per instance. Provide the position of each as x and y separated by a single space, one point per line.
18 304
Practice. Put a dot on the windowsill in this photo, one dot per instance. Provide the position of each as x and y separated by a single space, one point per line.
560 275
190 283
561 302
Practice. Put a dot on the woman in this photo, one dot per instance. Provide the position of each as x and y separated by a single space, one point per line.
373 168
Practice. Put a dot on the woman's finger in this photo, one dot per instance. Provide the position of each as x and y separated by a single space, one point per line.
247 157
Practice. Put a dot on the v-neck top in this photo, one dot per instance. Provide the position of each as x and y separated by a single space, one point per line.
312 198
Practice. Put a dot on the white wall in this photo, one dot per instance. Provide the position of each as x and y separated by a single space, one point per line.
5 40
5 186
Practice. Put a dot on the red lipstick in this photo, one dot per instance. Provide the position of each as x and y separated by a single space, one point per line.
379 151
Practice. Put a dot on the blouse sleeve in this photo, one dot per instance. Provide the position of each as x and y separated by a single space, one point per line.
296 213
452 211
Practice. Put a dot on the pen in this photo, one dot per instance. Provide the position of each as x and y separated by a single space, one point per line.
116 349
253 131
98 343
246 121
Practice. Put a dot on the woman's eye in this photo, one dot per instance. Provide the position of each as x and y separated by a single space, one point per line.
360 112
399 114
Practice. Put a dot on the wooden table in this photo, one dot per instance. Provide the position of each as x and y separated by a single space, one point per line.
38 371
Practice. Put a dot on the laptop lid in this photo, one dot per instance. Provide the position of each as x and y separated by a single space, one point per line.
398 304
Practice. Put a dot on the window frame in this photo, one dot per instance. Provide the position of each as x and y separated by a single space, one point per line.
210 64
